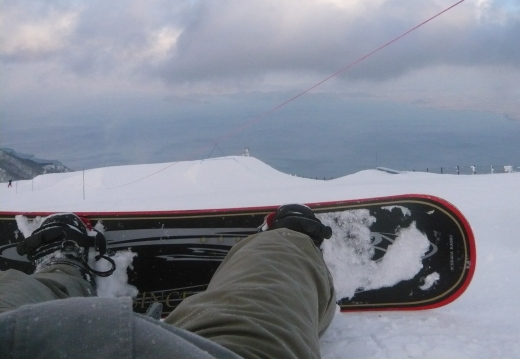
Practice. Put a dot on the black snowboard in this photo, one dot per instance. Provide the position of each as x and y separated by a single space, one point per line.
179 251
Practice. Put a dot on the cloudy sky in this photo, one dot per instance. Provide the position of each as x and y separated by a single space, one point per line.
104 77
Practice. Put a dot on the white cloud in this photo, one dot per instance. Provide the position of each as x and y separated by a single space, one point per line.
36 38
499 12
161 43
352 5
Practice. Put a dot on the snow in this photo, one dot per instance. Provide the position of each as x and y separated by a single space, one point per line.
405 211
430 280
115 285
349 253
483 323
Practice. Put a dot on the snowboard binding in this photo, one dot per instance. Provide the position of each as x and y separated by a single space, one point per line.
299 218
63 239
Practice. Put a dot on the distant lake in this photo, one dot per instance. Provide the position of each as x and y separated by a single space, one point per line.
315 136
334 139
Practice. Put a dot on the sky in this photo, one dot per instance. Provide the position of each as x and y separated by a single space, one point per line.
102 83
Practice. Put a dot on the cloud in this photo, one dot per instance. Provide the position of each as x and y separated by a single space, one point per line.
234 39
229 46
237 41
35 36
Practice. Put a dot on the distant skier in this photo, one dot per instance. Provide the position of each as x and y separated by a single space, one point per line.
272 297
10 184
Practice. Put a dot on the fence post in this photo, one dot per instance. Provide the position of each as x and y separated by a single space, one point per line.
83 184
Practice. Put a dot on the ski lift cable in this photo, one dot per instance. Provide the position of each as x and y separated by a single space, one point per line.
293 98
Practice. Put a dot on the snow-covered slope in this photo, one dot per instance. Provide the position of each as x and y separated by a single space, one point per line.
483 323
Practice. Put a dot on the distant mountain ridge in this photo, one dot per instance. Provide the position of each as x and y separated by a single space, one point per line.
19 166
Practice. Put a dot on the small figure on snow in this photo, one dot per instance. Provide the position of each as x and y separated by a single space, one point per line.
10 184
271 297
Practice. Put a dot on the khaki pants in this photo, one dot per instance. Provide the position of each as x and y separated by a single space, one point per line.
271 298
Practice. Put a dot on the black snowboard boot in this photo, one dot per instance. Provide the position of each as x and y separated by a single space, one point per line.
62 238
299 218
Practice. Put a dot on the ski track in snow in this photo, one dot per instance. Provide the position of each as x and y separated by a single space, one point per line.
483 323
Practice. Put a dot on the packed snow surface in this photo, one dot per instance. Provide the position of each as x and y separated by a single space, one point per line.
483 323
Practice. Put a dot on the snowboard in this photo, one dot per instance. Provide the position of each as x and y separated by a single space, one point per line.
405 252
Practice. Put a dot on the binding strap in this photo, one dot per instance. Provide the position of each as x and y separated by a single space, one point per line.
48 239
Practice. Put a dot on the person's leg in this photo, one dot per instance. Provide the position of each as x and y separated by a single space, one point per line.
271 298
56 282
59 251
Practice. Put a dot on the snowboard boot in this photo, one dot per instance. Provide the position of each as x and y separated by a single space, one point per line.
62 238
299 218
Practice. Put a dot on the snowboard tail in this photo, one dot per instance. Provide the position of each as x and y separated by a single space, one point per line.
446 265
179 251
